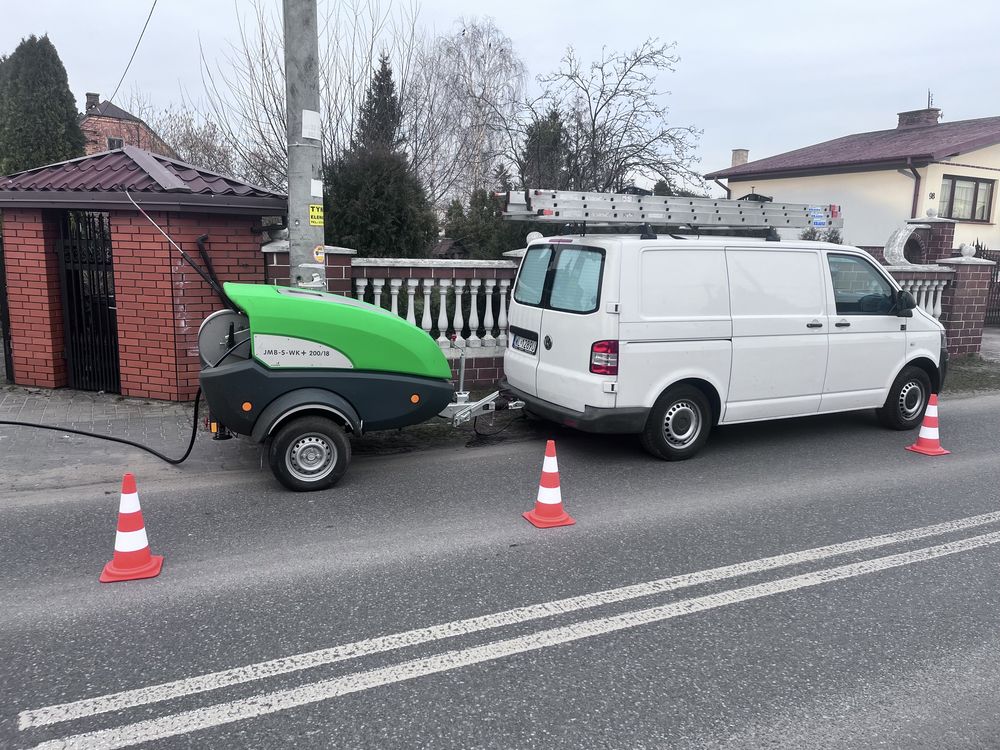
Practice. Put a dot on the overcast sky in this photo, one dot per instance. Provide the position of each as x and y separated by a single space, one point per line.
768 76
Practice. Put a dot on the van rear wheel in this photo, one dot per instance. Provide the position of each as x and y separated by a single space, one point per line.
678 424
907 400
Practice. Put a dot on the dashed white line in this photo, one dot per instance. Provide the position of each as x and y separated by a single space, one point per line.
215 680
282 700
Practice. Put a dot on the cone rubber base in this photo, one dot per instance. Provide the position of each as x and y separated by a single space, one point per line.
548 523
149 570
928 451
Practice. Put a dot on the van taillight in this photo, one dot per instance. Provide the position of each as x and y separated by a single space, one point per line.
604 358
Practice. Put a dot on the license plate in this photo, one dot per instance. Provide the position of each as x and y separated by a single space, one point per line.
522 344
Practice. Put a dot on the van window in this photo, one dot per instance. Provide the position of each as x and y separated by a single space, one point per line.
531 280
858 288
577 280
565 278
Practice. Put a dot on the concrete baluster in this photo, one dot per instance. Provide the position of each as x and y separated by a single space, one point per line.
459 315
394 285
442 339
488 339
411 290
474 341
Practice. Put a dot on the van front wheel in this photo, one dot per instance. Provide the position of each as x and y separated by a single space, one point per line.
678 424
904 406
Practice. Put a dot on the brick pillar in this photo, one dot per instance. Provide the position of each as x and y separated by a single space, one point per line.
338 272
941 241
162 300
143 295
963 308
34 296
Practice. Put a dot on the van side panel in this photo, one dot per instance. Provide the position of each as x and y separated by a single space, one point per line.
675 322
780 342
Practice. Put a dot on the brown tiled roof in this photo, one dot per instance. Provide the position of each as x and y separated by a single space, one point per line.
885 148
101 180
107 109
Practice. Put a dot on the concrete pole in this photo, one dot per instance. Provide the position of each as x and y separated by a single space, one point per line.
306 263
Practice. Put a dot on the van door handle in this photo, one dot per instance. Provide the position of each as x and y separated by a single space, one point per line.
814 324
843 324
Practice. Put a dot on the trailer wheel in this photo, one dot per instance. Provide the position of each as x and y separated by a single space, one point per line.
309 453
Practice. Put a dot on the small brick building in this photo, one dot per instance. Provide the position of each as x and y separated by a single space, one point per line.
97 298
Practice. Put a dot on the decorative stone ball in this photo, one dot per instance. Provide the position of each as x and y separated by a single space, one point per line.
932 213
967 250
532 236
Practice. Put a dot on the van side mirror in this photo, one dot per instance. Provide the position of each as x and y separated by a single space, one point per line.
905 304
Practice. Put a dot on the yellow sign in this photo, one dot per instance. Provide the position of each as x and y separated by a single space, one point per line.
315 214
318 253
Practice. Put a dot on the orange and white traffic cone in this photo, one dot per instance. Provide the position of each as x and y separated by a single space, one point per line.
928 441
132 559
548 510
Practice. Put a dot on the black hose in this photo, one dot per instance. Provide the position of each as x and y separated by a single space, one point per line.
123 441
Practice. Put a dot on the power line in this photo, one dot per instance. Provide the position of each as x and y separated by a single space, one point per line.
135 49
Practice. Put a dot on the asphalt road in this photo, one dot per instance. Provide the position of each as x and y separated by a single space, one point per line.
413 607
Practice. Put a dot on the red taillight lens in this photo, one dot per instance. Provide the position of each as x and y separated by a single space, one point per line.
604 358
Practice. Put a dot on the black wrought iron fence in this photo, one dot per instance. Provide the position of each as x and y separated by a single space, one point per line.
993 300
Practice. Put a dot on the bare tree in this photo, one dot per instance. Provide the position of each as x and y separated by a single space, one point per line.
616 124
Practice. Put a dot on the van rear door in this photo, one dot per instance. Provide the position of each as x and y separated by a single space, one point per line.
573 324
525 319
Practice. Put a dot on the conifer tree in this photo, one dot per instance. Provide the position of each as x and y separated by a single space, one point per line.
39 123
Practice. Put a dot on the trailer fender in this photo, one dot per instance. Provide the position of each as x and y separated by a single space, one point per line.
305 400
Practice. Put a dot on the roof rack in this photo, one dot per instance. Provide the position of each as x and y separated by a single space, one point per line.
563 206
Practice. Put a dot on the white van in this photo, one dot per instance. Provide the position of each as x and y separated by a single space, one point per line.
667 337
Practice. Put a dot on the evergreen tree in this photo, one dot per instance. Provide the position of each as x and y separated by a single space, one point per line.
38 117
545 155
481 230
374 202
380 115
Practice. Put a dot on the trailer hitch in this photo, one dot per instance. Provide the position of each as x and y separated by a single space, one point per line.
461 410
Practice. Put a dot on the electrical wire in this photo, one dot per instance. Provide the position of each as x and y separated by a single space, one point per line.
123 441
136 49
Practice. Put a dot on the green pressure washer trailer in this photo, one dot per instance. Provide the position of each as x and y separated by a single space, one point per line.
296 369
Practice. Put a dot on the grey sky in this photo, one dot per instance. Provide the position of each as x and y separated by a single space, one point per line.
765 76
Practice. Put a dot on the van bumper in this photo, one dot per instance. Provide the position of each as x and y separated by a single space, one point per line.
592 419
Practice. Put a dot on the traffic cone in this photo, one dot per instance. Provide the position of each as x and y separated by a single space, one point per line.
928 442
548 510
132 559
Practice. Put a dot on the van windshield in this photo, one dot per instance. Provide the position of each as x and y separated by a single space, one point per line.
561 277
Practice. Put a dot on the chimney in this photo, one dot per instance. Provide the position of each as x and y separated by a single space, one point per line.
919 118
92 101
740 156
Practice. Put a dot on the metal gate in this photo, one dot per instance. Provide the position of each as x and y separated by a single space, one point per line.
91 324
5 343
993 300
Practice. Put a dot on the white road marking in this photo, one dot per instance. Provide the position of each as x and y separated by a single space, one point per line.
282 700
215 680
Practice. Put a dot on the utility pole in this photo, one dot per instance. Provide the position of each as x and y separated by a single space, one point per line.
306 263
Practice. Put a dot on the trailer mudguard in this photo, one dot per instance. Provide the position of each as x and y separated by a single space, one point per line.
301 400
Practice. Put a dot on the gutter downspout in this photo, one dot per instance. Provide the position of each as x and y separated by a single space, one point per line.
916 186
729 193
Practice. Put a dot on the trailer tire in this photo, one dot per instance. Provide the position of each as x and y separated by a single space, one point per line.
309 453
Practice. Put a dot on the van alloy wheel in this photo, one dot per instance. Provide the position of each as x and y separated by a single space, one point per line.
907 400
678 424
682 424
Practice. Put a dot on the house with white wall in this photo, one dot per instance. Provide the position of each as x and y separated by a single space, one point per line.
884 177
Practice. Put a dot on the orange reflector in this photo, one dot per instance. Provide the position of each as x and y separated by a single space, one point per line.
247 406
214 427
415 398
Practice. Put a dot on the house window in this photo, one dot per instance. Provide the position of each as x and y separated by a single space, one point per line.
966 198
114 143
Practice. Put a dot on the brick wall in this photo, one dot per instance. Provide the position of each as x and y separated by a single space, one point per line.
963 310
338 271
97 130
34 296
162 301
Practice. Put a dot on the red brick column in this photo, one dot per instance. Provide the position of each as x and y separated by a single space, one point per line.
338 269
144 296
34 296
963 308
941 241
162 301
